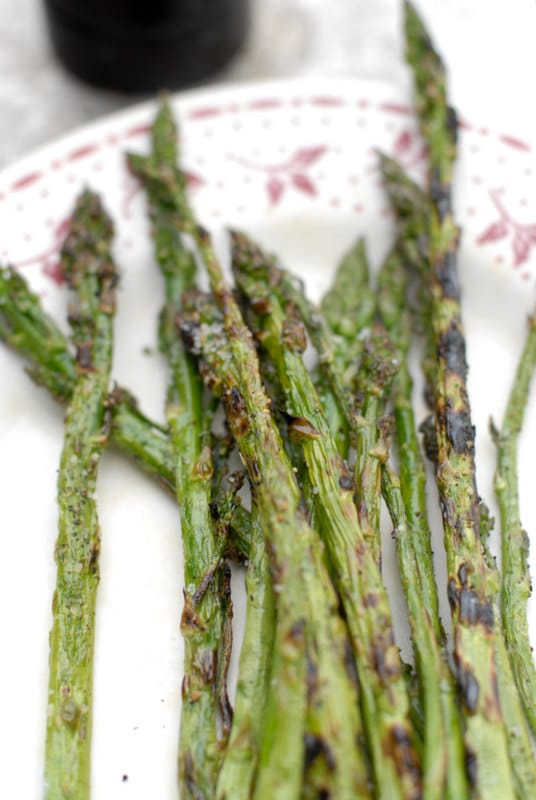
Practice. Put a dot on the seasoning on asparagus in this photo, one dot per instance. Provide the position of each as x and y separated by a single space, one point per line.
354 567
206 715
28 329
516 584
88 268
471 604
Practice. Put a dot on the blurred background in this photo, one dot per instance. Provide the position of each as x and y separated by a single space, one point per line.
489 47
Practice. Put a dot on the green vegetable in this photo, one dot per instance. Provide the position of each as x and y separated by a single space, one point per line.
443 756
240 761
516 584
88 267
470 595
29 330
384 701
409 200
310 641
206 619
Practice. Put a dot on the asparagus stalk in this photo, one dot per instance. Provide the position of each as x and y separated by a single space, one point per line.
516 584
393 310
242 530
442 751
347 311
355 572
29 330
239 765
411 205
318 759
205 625
519 743
442 754
88 267
469 593
291 540
443 761
339 335
306 605
378 368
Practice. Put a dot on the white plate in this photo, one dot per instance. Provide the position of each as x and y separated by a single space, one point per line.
294 164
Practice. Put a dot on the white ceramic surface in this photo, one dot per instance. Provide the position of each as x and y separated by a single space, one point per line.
293 163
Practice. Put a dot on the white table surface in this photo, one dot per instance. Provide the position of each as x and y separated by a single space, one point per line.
487 44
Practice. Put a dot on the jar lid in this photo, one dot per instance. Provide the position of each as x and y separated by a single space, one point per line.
132 59
127 19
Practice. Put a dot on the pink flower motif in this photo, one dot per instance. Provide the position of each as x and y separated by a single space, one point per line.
307 156
193 180
409 149
291 172
275 188
523 237
403 143
303 183
497 230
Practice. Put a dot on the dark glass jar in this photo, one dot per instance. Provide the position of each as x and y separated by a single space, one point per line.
146 45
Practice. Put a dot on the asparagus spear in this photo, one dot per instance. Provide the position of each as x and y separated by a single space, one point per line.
411 205
206 714
292 543
27 328
442 755
516 585
443 761
519 743
318 760
469 594
347 310
305 602
355 572
240 761
245 542
88 267
339 335
282 749
378 368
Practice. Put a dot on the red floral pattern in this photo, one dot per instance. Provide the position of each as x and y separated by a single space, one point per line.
522 236
409 149
291 172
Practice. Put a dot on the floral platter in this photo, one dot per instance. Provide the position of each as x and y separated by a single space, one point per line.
295 164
